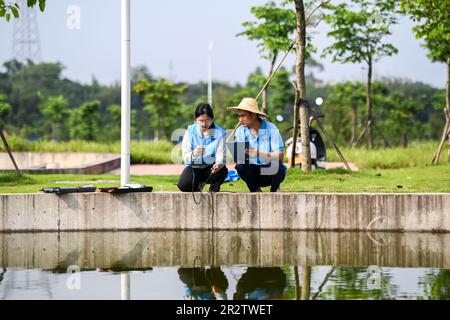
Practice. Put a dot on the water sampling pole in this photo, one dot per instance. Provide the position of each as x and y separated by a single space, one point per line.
231 136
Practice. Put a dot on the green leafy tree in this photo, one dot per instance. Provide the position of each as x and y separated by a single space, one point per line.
24 82
342 105
401 119
432 18
436 285
358 285
360 33
5 109
282 99
8 9
55 110
273 31
85 121
114 126
162 99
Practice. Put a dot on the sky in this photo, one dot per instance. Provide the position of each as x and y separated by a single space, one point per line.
171 38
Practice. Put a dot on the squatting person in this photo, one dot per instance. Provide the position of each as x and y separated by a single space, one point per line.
203 150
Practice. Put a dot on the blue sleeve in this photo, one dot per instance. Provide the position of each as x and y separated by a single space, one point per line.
276 140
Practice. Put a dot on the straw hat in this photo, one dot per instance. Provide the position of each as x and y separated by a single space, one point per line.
250 105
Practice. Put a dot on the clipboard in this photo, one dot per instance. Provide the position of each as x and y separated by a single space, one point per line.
237 150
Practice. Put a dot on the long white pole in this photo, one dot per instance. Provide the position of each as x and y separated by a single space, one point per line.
210 49
125 286
126 94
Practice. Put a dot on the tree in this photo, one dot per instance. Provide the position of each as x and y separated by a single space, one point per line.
281 98
301 104
433 26
272 31
162 102
435 284
5 109
55 110
360 33
25 81
344 99
401 110
7 9
357 285
85 121
113 128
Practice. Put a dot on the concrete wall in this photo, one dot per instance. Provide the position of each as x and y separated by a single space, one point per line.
224 211
63 162
134 250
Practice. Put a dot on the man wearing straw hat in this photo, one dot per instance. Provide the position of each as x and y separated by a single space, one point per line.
264 148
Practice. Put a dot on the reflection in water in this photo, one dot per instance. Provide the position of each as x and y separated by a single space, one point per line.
218 283
261 284
268 264
203 284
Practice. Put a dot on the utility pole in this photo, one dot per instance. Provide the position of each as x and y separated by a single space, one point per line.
210 50
125 94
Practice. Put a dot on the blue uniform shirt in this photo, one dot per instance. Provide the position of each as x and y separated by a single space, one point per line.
213 140
267 140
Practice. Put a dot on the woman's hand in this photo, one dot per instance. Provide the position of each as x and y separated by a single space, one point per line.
199 151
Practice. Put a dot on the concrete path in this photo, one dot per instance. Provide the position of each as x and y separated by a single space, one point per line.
176 169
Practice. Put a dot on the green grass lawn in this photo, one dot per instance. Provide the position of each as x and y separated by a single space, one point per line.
417 154
421 179
381 170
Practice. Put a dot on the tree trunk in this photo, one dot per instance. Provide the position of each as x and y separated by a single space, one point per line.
54 133
445 132
369 106
447 105
448 151
295 126
301 84
354 124
405 139
264 94
298 290
443 138
306 282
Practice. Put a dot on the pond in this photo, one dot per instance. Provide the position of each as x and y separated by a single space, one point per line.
227 265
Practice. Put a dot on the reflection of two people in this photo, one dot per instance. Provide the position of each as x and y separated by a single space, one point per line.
204 284
261 284
254 284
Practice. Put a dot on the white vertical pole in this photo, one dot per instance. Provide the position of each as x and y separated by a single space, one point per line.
126 94
210 49
125 286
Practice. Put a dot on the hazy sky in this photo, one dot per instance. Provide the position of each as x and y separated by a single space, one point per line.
177 33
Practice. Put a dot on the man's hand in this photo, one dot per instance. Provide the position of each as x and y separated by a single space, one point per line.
253 153
215 168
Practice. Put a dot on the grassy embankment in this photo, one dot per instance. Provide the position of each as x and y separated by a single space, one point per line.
381 170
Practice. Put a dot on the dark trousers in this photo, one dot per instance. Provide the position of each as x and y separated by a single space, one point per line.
251 174
189 182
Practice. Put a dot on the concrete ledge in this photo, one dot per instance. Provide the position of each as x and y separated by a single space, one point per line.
60 162
225 211
91 250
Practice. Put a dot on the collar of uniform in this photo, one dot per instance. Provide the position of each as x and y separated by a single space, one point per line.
262 127
208 133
